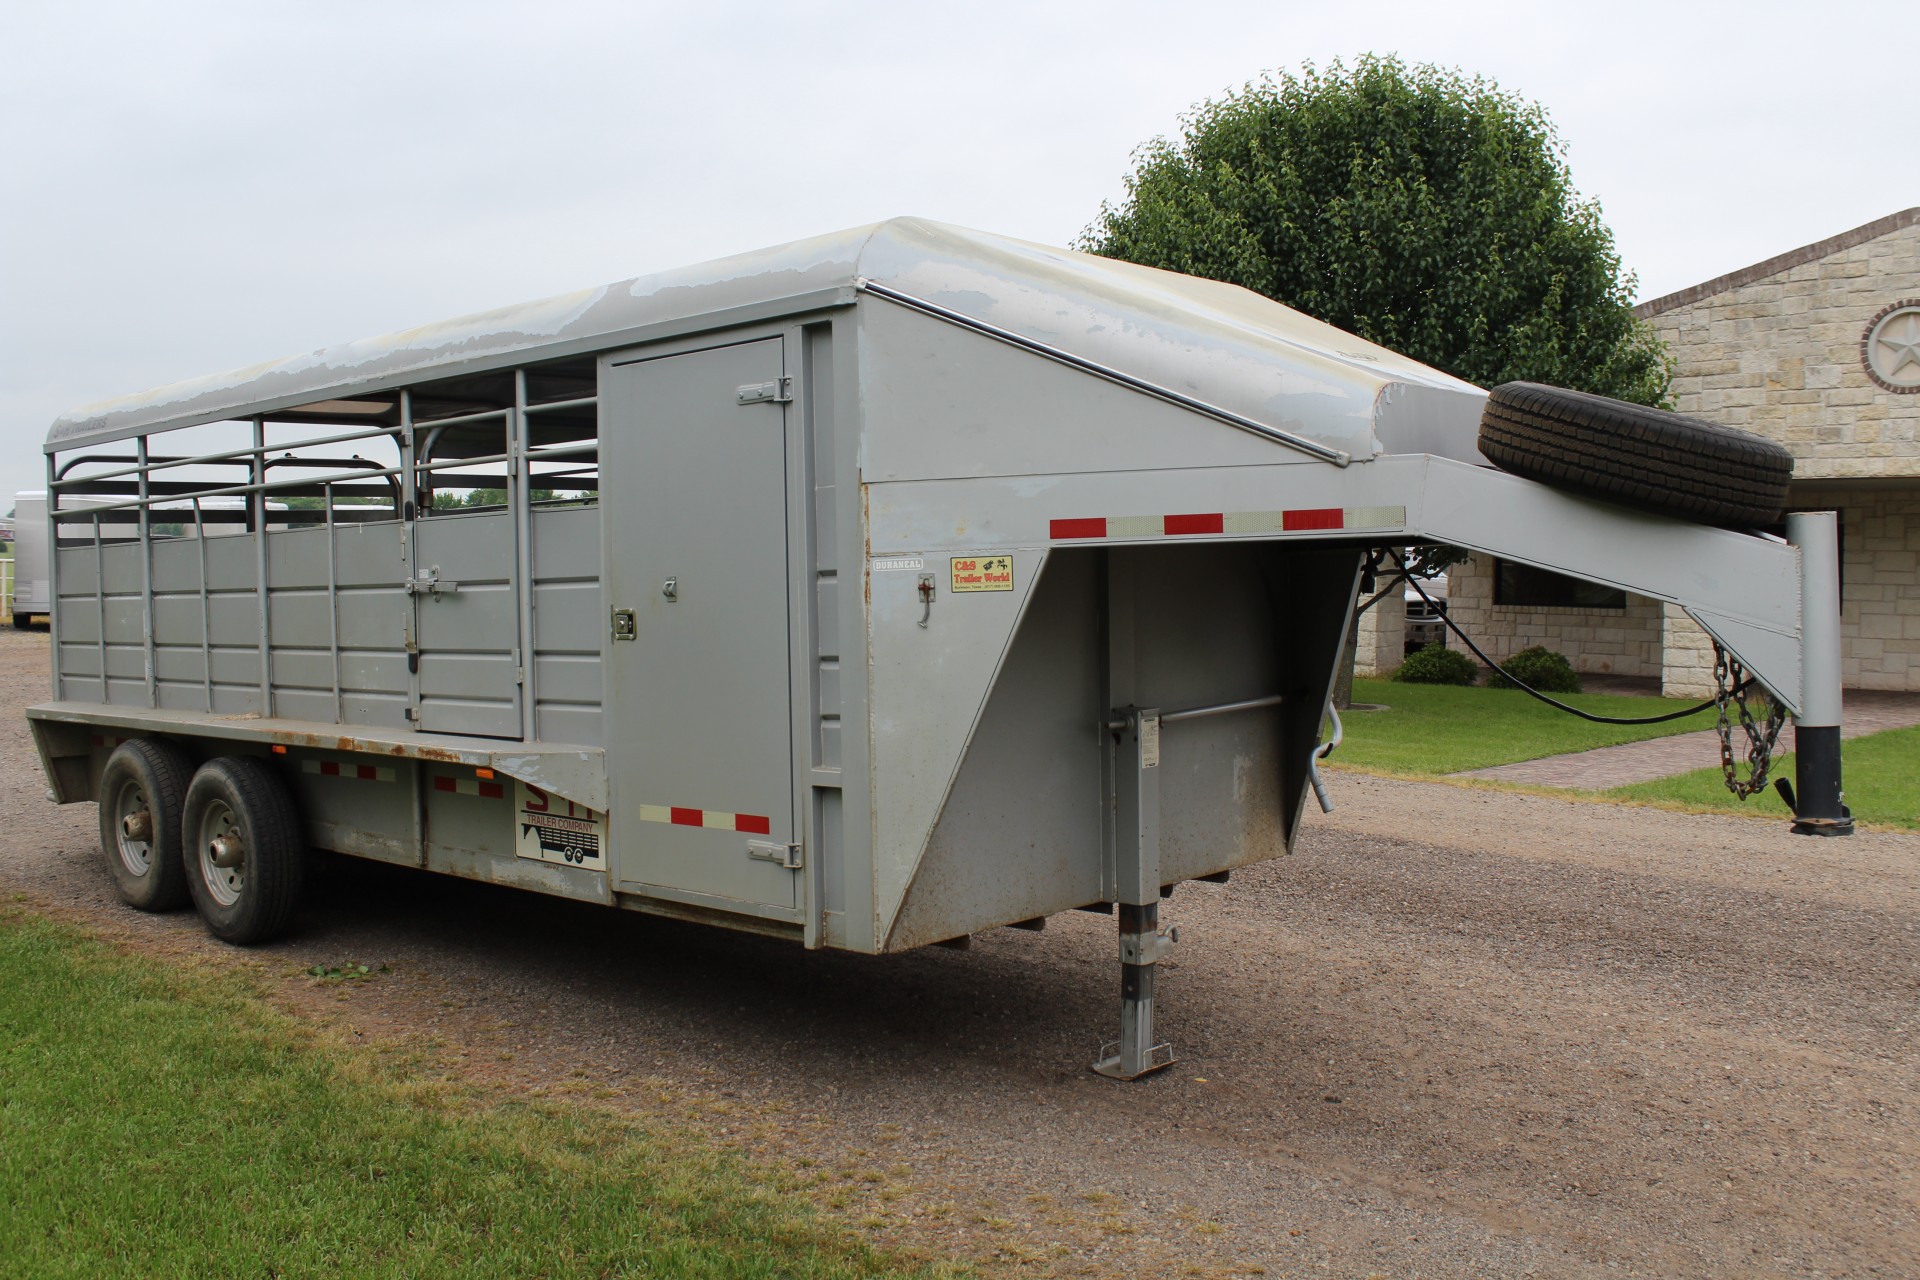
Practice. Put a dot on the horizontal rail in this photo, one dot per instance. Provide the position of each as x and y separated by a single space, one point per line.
1217 709
1326 453
268 486
229 456
560 404
459 419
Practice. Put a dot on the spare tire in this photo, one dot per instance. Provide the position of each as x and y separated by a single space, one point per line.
1636 456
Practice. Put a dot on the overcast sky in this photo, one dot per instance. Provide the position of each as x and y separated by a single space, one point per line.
196 185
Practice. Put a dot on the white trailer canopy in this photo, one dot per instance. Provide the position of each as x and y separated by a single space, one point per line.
1223 345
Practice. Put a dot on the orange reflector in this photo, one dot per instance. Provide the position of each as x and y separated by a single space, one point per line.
484 773
279 751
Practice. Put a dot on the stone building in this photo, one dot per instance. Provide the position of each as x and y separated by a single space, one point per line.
1819 349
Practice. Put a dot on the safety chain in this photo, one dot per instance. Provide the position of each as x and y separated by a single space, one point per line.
1730 685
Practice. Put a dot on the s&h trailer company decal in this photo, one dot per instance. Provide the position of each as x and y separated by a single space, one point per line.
551 828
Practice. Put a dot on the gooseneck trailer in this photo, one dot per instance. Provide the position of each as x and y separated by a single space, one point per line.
868 591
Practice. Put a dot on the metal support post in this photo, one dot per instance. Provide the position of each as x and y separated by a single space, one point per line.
1818 807
1137 863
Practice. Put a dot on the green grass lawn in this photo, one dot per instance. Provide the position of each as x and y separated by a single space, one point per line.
1437 729
165 1121
1880 774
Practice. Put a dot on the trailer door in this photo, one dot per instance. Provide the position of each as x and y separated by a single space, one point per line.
699 743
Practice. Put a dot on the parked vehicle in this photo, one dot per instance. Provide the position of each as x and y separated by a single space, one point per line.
867 591
1426 613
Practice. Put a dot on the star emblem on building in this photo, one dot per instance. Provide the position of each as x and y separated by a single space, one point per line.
1902 348
1891 347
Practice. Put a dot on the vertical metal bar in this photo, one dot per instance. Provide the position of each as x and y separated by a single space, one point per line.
1134 864
1142 942
520 502
206 612
257 500
333 600
146 569
1116 620
53 576
1818 805
99 604
409 556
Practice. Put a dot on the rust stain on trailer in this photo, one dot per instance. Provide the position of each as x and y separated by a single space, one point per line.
399 750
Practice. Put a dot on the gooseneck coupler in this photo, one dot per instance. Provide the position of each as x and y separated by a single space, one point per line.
1818 808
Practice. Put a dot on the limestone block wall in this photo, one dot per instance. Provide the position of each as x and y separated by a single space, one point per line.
1687 670
1776 349
1879 596
1611 641
1382 636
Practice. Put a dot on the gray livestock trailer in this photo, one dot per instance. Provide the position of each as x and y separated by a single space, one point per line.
867 591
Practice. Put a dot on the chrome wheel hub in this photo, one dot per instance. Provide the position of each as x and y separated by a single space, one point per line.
223 855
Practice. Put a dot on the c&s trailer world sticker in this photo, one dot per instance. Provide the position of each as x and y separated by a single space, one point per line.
982 573
551 828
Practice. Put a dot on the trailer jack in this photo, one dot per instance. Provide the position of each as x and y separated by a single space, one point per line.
1143 941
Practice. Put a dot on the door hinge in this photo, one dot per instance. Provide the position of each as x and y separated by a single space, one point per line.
780 390
786 855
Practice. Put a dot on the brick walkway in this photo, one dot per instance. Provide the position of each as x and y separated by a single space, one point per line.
1865 711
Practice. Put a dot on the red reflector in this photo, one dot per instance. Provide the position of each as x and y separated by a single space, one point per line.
493 791
330 768
1090 527
1211 523
441 783
752 824
277 749
367 773
687 817
1320 518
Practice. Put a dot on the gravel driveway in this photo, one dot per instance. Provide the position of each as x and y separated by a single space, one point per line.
1515 1036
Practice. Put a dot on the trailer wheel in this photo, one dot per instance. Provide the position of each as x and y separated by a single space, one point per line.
142 790
1636 456
246 853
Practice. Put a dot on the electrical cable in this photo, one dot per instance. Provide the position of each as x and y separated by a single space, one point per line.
1555 702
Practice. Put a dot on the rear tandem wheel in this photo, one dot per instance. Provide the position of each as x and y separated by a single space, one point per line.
246 852
142 791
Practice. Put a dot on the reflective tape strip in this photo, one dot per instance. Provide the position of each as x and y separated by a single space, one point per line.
339 769
711 819
106 740
470 787
1231 523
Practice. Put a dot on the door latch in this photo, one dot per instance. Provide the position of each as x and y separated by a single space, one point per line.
624 626
431 585
780 390
786 855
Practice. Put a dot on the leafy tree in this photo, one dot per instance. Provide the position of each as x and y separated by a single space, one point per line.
447 500
1428 212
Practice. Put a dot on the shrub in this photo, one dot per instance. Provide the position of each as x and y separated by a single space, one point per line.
1437 664
1538 668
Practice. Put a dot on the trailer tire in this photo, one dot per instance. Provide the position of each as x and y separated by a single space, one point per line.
238 808
1639 457
142 791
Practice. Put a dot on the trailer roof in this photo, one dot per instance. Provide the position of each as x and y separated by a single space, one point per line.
1213 340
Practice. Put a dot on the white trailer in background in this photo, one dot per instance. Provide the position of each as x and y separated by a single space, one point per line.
869 591
30 595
